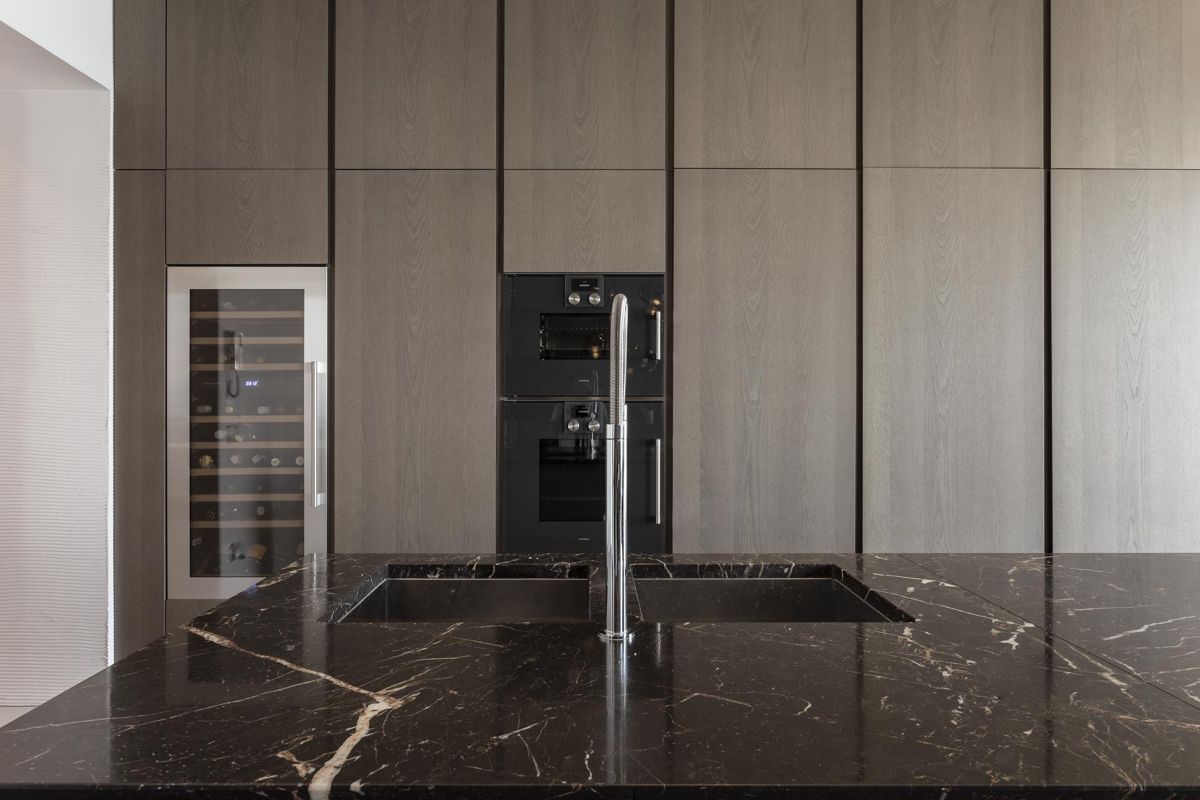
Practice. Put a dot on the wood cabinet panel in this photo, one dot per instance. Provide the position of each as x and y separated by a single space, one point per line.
953 360
416 84
765 84
139 84
247 83
1123 88
585 221
764 360
247 216
585 84
415 362
139 409
952 84
1125 333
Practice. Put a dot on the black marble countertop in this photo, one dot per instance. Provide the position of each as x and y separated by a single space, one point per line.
1020 676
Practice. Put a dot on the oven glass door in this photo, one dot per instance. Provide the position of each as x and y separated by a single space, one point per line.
553 349
554 477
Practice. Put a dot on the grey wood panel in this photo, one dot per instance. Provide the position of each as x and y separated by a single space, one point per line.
585 221
139 84
1123 88
181 612
247 83
952 84
764 360
139 409
1126 355
585 84
765 84
415 362
247 216
953 360
416 84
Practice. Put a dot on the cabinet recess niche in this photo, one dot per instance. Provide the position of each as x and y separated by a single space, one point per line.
1126 355
247 83
765 84
952 84
953 360
416 84
764 360
585 84
1124 84
415 361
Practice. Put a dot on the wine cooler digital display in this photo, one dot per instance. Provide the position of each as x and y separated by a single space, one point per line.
246 496
247 431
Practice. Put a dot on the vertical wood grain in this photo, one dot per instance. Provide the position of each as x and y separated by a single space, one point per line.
765 83
764 360
1124 84
952 84
585 221
415 361
1126 355
139 84
953 360
139 409
585 84
416 84
247 83
247 216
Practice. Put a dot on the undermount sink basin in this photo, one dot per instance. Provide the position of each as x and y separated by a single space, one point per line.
827 598
440 599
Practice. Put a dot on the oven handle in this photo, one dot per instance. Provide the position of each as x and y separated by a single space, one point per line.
658 481
656 346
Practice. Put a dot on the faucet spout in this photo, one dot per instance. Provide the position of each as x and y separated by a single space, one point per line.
616 434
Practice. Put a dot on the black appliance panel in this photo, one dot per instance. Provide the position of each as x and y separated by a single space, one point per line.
554 480
556 330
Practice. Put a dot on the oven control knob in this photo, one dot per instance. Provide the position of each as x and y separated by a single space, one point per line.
572 425
594 298
573 298
594 425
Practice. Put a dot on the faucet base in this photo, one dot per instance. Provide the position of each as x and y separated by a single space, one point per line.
608 636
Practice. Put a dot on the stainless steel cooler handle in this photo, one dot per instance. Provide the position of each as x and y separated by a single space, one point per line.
657 352
316 369
658 481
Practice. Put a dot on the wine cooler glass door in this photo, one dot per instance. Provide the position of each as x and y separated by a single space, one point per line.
246 424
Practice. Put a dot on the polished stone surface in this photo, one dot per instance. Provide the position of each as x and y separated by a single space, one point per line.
264 697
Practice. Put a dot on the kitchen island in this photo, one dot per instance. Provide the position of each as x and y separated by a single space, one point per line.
1001 676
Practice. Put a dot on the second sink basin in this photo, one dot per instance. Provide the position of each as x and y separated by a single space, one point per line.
475 600
820 598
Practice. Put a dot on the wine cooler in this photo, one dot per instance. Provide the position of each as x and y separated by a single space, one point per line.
246 424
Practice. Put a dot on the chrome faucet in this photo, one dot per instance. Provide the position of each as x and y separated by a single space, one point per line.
616 434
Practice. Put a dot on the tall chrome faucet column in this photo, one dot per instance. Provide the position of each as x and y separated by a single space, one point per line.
616 624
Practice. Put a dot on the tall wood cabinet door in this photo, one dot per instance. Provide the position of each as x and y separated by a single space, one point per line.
139 84
1125 341
414 371
953 360
139 408
585 84
764 360
247 83
1123 75
952 84
416 84
765 84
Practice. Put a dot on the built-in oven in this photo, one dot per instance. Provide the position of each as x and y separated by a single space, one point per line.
555 334
553 476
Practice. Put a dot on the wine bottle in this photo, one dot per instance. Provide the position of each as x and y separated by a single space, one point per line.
275 462
236 458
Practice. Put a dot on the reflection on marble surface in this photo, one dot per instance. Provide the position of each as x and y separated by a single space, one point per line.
263 697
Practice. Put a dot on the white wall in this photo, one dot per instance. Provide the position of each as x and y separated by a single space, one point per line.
55 378
77 31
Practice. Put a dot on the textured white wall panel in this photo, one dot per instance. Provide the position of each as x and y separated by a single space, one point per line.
55 312
77 31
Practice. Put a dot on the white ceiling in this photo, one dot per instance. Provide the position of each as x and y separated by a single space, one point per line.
25 65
